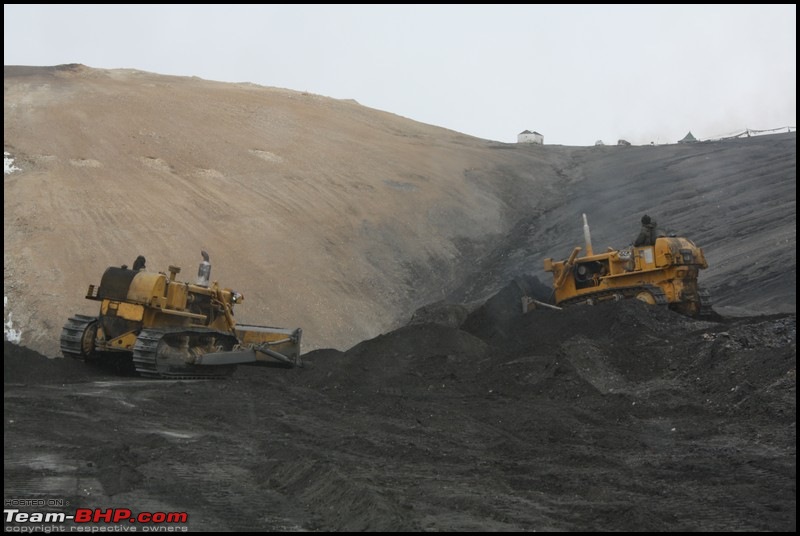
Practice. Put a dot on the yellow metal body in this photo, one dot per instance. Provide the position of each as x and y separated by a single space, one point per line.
131 301
173 329
662 273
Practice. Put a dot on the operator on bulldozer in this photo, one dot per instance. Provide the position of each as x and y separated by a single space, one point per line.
648 234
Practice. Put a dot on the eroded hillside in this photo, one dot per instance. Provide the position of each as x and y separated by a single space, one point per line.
339 218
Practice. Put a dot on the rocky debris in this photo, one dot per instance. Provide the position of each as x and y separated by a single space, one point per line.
619 416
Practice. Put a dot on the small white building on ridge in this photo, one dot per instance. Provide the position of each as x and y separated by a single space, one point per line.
526 136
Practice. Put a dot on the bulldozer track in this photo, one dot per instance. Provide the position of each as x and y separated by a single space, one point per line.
150 364
144 353
73 334
623 293
706 304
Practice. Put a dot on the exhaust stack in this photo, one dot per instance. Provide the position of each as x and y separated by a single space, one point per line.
587 236
204 271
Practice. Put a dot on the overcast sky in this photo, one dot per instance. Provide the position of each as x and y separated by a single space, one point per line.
574 73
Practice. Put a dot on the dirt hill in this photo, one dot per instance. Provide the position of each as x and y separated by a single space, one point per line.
339 218
323 213
460 415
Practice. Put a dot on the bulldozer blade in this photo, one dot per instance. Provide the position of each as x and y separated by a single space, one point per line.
249 356
237 357
529 304
279 356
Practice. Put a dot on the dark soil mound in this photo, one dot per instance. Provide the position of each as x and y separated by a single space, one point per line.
619 417
23 365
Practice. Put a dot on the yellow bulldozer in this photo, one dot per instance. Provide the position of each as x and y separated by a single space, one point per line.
663 273
174 329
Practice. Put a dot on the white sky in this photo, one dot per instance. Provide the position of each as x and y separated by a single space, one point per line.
574 73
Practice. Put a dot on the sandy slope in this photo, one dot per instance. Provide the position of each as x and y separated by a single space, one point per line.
323 213
339 218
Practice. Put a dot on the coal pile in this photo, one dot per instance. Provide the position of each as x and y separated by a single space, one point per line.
619 417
